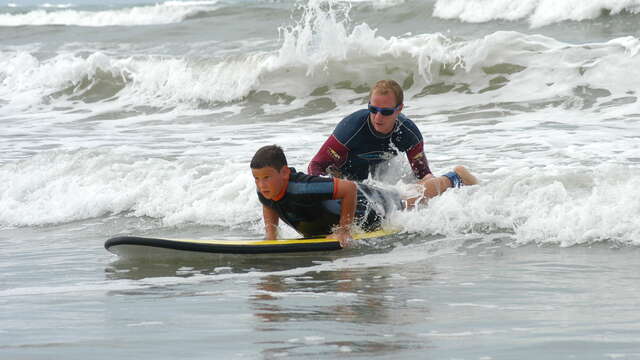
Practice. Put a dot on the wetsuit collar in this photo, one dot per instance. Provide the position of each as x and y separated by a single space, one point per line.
379 134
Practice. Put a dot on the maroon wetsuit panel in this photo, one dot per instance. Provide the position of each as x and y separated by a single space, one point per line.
332 152
418 160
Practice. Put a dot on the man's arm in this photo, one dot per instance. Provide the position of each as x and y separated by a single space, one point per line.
346 191
271 220
418 161
331 154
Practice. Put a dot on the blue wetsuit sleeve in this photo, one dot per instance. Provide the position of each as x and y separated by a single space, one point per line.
314 188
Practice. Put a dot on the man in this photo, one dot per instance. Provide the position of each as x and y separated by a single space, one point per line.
369 137
317 205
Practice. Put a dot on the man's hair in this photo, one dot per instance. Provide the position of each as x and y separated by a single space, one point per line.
269 156
383 87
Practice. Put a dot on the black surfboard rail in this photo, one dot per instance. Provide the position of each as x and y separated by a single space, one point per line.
224 247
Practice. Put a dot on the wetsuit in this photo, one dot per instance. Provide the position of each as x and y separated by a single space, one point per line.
356 149
308 205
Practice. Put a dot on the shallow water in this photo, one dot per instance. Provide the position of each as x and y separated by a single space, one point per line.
442 297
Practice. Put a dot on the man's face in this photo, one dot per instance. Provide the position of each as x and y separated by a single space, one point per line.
381 123
269 181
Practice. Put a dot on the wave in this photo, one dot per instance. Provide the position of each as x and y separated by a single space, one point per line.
513 67
562 205
537 12
59 187
144 80
323 50
162 13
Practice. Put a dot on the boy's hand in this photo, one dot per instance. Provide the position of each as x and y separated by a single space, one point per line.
343 236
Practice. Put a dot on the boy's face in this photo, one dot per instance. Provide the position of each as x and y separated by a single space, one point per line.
269 181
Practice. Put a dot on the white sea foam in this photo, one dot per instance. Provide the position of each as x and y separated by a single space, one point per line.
161 13
564 206
57 6
536 12
59 187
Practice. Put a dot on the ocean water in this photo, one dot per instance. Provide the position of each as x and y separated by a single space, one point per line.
140 117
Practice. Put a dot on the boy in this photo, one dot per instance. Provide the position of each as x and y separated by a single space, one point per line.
315 205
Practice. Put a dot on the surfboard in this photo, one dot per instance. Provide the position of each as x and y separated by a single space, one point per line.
133 246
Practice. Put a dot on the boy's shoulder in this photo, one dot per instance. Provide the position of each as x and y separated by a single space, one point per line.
301 183
301 177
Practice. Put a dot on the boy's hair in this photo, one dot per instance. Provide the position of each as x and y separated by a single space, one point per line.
269 156
383 87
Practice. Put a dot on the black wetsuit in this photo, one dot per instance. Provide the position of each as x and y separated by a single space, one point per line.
310 208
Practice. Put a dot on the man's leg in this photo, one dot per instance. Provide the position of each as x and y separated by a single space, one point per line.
464 174
437 185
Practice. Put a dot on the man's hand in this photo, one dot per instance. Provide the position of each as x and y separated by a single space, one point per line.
333 171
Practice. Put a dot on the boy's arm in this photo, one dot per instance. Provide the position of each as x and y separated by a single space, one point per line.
271 219
347 192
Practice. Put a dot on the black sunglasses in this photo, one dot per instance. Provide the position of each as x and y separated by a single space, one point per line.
383 111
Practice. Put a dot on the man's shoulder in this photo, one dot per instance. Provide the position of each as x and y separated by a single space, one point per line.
408 128
407 123
351 124
358 116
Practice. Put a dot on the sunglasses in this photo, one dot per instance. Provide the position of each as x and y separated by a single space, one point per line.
383 111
